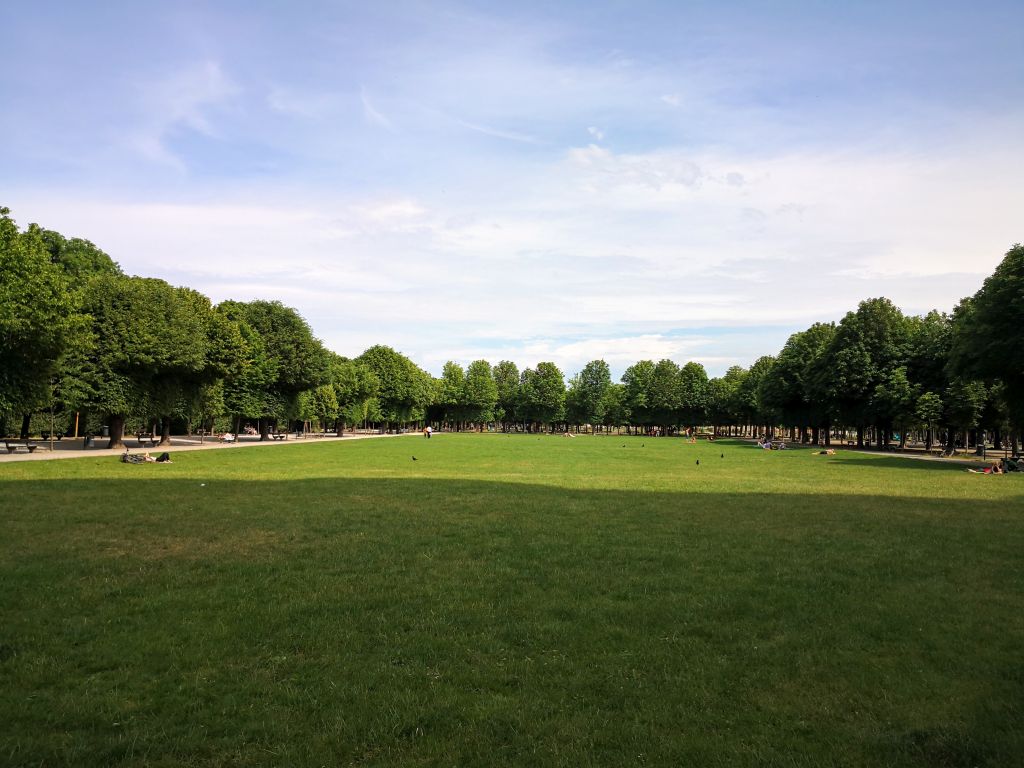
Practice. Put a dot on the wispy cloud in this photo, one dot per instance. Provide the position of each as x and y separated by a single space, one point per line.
498 133
373 115
181 100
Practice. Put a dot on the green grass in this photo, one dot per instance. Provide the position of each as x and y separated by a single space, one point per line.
511 600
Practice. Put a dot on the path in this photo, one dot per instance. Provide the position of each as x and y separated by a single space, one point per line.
71 448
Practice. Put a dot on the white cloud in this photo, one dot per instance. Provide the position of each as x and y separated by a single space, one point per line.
182 99
372 115
499 133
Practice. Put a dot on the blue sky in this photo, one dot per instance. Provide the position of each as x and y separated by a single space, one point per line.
528 181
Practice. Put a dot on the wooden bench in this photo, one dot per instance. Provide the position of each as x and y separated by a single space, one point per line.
13 445
279 435
144 437
56 435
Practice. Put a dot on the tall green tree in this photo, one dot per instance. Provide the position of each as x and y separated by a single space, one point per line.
294 358
404 390
751 407
589 390
543 394
139 338
868 345
354 386
789 388
638 381
38 318
507 382
986 341
481 392
451 397
694 394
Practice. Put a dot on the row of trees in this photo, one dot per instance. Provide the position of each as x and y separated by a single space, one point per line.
80 337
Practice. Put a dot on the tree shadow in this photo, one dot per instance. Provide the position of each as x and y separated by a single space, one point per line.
433 620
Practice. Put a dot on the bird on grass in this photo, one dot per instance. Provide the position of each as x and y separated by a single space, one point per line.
723 455
698 462
414 458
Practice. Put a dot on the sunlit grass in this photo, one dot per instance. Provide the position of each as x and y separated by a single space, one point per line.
510 600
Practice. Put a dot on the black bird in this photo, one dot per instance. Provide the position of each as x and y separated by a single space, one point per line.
623 445
723 455
641 445
698 462
414 458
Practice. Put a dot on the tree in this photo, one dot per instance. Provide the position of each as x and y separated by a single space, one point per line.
78 259
613 406
543 393
588 392
507 383
868 345
404 389
452 393
354 386
986 331
294 358
929 410
963 401
638 381
141 337
694 394
199 345
38 318
481 392
664 399
752 409
894 401
789 389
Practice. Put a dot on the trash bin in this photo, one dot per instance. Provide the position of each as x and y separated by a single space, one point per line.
105 431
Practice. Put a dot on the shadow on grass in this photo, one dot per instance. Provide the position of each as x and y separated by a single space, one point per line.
436 621
896 462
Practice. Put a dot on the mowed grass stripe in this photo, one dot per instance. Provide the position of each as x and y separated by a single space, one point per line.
510 600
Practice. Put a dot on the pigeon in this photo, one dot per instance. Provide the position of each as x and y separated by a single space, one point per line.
414 458
723 455
698 462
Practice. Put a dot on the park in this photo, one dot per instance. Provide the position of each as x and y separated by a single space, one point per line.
526 385
511 599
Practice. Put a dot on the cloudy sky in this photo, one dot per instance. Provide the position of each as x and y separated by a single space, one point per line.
528 181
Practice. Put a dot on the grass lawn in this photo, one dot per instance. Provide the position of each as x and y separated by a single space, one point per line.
511 600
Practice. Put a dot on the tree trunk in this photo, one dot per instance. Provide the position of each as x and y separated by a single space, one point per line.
26 421
165 431
860 437
116 432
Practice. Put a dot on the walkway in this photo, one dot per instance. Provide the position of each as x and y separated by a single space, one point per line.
71 448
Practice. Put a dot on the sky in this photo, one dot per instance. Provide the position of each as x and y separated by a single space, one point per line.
528 181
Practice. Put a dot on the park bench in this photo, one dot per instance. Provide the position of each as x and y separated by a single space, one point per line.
13 445
56 435
279 435
144 437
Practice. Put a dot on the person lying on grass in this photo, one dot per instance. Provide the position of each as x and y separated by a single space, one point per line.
995 469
